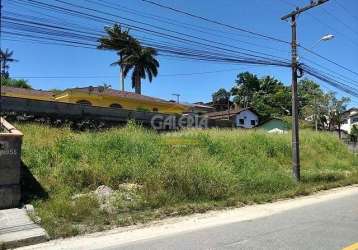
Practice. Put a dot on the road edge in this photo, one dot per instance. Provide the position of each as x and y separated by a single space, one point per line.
170 226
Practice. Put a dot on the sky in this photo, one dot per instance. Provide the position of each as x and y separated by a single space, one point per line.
49 66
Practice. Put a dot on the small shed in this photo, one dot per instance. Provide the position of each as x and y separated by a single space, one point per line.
275 125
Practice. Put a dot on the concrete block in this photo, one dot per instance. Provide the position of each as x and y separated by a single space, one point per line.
10 196
17 229
10 165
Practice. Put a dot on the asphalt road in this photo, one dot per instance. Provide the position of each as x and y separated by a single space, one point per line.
327 225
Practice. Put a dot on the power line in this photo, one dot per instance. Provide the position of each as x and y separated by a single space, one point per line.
196 28
216 22
115 76
216 47
340 21
329 60
345 9
140 29
80 38
175 32
330 27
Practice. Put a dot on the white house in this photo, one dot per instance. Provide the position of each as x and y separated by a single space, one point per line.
351 118
246 118
242 118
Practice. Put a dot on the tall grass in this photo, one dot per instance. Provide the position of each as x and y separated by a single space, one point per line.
182 172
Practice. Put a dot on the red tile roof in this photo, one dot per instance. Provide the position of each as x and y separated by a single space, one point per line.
118 93
26 92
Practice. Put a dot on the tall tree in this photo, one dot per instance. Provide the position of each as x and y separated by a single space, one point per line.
272 98
142 62
5 59
246 85
310 100
221 99
119 40
268 96
132 56
337 107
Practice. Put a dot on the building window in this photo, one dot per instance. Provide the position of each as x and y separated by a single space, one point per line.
253 122
355 119
155 109
115 105
241 121
84 103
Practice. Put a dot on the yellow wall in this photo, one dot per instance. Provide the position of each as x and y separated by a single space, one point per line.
126 103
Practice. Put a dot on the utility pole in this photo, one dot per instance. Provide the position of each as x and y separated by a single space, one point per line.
295 68
177 95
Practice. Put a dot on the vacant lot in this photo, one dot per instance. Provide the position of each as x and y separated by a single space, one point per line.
158 175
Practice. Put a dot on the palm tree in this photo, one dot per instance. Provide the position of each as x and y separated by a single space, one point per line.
142 62
5 58
118 40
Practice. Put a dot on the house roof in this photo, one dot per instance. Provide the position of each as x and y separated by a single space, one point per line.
5 90
118 93
199 105
350 111
226 113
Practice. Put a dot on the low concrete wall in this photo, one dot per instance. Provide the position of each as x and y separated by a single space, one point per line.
10 165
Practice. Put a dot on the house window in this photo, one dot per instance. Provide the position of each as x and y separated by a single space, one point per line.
355 119
155 109
253 122
116 105
84 103
241 121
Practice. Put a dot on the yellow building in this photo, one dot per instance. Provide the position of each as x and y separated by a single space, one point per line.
106 97
101 97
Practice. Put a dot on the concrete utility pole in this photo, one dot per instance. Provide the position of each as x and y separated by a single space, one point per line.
178 96
295 68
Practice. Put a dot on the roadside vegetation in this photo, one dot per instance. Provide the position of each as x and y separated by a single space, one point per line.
160 175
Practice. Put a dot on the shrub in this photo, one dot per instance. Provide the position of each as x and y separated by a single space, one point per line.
179 172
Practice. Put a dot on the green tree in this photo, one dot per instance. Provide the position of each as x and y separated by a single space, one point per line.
15 83
119 40
132 56
221 99
246 85
268 96
312 102
336 112
309 96
142 62
5 59
273 98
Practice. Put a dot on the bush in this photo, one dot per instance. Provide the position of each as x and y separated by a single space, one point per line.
180 172
15 83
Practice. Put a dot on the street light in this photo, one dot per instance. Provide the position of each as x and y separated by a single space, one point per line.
325 38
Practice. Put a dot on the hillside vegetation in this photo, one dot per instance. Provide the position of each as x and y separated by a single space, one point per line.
158 175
